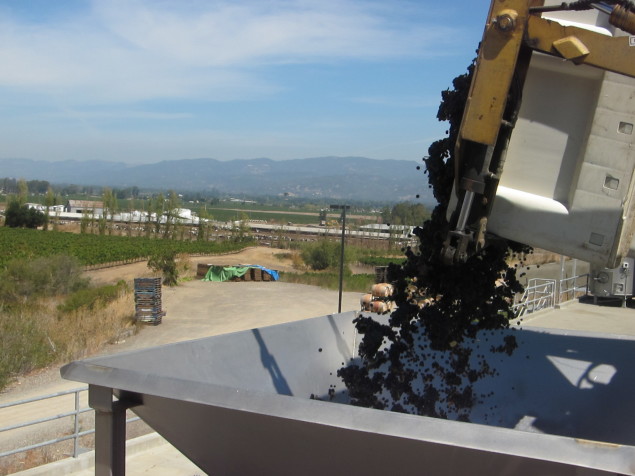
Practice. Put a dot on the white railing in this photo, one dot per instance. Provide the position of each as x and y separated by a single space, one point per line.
573 288
539 294
546 293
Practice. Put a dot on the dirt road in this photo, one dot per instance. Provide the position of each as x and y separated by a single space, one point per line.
267 257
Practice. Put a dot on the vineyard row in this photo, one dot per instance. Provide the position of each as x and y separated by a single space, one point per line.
92 249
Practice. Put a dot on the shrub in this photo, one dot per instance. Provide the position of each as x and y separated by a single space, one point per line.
323 255
26 279
24 344
165 262
93 298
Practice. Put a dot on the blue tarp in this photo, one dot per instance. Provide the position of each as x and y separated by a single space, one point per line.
274 274
225 273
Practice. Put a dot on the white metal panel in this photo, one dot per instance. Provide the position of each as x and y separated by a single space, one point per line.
568 184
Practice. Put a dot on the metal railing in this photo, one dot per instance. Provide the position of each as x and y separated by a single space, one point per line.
74 414
539 294
547 293
572 288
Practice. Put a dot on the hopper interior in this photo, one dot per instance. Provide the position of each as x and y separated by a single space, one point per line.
241 404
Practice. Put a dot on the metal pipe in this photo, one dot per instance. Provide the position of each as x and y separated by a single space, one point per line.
43 420
76 426
603 8
561 278
468 199
42 397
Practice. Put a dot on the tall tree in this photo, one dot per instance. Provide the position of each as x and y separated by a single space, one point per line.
49 201
23 192
19 215
172 218
109 200
159 205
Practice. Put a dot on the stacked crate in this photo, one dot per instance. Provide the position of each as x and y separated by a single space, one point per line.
147 297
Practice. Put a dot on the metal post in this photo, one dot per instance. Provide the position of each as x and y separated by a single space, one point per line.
343 208
110 432
339 305
574 275
559 287
76 425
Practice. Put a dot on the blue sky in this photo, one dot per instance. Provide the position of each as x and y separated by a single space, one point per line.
142 81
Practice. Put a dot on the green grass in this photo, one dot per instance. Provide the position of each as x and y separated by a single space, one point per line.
92 298
24 344
380 260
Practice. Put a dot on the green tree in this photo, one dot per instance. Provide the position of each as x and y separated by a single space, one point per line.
240 228
38 187
18 215
102 225
405 213
110 207
172 219
165 262
84 222
148 223
23 192
159 205
131 206
49 201
203 225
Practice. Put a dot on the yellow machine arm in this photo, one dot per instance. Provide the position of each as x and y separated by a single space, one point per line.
514 30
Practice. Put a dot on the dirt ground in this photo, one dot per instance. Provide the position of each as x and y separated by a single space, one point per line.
194 309
260 255
198 309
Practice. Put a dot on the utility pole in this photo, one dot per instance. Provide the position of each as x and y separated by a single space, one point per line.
343 208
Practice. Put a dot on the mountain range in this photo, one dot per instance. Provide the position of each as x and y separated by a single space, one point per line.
352 178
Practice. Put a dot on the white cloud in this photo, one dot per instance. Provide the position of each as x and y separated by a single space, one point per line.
234 33
122 51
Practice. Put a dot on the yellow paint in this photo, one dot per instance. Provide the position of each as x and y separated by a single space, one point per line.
571 48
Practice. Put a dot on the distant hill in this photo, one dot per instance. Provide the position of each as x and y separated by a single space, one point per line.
355 178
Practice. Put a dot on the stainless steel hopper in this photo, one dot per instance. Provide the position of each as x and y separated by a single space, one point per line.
240 404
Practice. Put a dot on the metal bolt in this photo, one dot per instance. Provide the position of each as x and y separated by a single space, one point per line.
506 20
505 23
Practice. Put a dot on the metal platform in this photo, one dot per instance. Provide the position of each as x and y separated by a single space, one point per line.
240 404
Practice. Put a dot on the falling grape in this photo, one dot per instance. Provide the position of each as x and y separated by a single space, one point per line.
421 361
